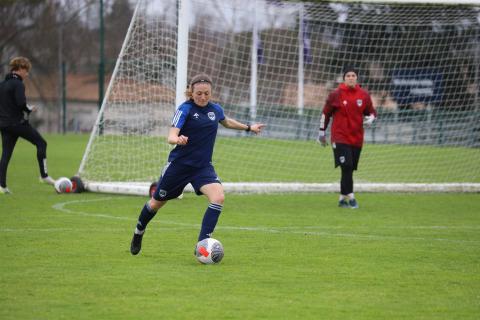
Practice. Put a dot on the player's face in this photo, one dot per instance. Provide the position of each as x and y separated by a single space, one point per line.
201 94
22 72
350 79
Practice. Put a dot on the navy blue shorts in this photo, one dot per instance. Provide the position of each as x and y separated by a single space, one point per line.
176 176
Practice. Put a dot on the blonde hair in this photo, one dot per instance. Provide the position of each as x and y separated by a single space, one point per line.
18 63
199 78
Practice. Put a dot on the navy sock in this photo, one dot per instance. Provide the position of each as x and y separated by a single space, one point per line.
210 220
146 215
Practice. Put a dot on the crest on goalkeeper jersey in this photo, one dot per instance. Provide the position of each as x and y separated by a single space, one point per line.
211 115
359 102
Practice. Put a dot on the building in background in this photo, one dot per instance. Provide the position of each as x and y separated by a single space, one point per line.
81 103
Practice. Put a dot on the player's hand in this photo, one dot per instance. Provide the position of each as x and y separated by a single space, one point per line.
182 140
257 127
32 108
368 120
322 138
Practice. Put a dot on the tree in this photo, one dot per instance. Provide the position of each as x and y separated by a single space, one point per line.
116 26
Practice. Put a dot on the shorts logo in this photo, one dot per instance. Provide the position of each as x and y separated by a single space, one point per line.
344 102
211 115
359 102
162 193
342 159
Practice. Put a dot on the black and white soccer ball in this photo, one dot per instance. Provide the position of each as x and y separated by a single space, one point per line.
63 185
209 251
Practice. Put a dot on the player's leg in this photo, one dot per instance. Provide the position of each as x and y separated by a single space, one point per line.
207 183
9 140
340 154
170 185
27 132
215 195
346 184
355 158
149 211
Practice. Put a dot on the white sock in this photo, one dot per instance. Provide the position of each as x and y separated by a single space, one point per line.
342 197
351 196
139 231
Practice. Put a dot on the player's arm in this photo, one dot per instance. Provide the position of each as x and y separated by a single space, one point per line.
19 96
370 113
234 124
174 136
325 120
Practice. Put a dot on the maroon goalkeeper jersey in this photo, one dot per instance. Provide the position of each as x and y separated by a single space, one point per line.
347 106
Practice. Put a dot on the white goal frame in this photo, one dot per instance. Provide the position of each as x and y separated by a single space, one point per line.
142 188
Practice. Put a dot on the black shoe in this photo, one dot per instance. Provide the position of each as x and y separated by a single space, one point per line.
353 203
343 204
136 244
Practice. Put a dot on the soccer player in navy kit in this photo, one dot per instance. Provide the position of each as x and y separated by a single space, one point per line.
351 108
194 129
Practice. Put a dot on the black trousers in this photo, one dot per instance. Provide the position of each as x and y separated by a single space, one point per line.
347 157
346 180
10 136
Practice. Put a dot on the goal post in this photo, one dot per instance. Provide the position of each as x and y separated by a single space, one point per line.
275 62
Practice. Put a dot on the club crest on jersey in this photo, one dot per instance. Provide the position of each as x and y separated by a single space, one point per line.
359 102
211 115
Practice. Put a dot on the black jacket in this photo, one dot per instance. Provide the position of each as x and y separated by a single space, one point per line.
13 102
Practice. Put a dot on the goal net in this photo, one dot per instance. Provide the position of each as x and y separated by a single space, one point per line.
275 62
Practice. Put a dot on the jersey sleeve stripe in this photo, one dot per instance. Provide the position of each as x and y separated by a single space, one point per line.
176 117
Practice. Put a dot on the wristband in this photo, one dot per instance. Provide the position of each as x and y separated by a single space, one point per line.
248 128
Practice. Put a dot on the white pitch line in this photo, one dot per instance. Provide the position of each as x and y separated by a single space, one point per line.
391 227
27 230
292 230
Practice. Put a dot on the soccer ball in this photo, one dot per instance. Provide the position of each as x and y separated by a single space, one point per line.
63 185
209 251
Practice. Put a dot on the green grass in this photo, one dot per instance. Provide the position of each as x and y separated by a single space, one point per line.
400 256
306 161
259 159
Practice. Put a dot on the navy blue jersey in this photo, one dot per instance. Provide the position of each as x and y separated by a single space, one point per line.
200 125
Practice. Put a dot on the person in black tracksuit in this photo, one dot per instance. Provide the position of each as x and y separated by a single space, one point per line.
14 122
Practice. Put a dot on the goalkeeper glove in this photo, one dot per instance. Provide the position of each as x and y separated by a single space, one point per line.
368 121
322 138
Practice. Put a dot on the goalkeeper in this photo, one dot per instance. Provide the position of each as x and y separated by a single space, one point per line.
193 132
351 108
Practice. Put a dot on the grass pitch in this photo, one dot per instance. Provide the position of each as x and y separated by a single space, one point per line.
400 256
255 159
